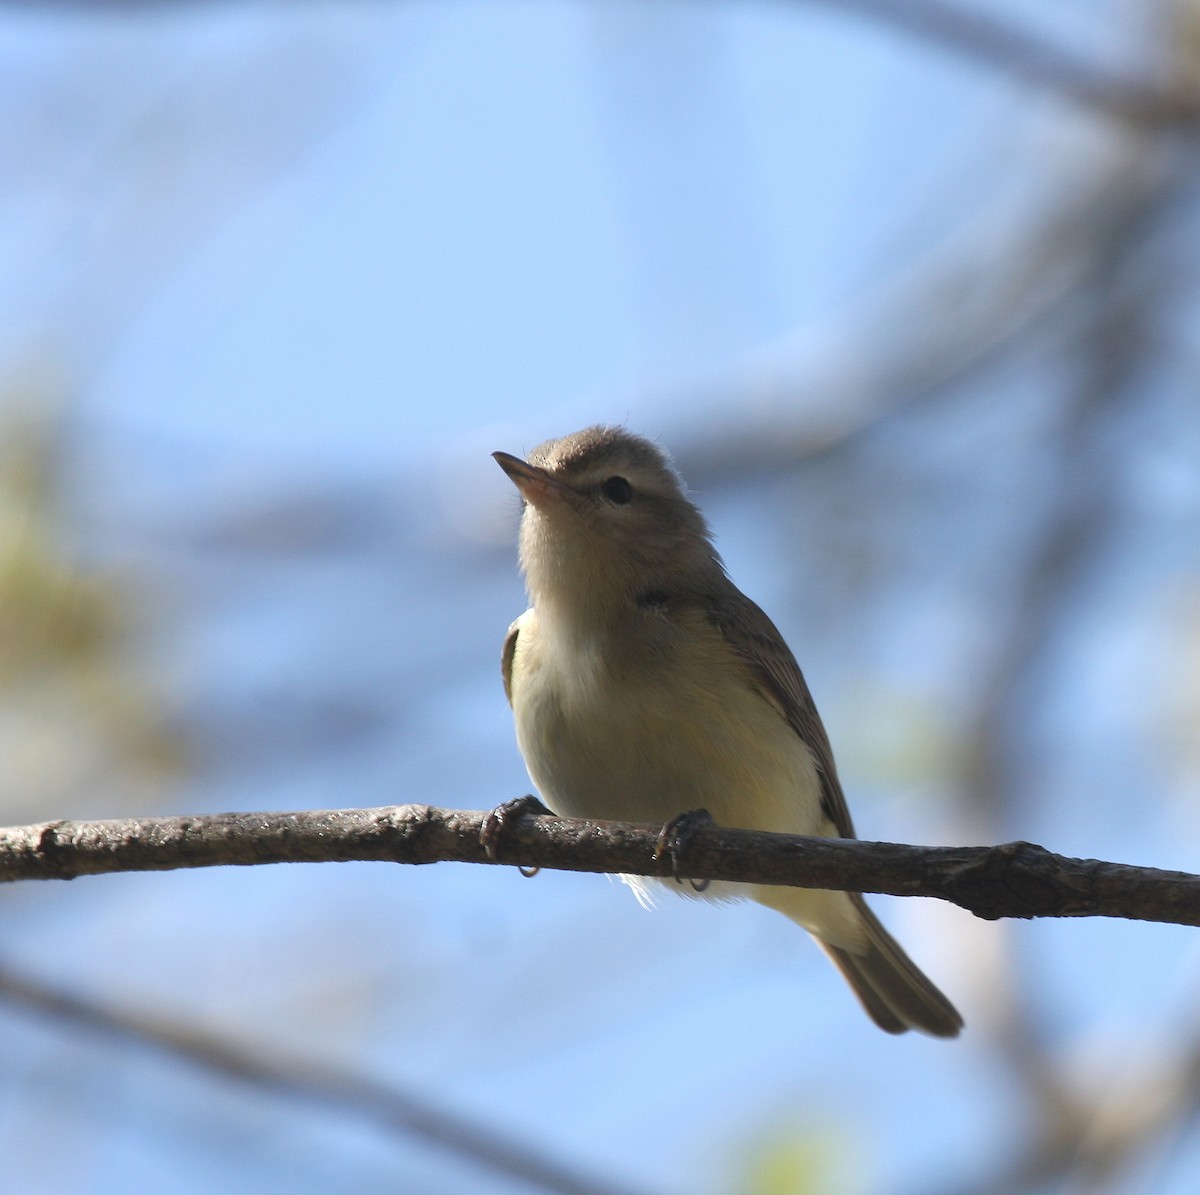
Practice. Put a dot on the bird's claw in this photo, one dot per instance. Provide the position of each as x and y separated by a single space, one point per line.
504 813
674 838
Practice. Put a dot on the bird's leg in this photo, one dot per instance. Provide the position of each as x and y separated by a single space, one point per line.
674 837
498 818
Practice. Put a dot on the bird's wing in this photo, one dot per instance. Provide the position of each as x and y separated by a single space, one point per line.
756 641
506 657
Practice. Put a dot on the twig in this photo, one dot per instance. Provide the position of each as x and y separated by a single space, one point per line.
312 1083
1017 879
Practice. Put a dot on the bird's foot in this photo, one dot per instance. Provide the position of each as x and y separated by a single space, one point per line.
676 835
501 816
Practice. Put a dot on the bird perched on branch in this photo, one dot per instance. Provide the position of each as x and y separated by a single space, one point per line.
644 685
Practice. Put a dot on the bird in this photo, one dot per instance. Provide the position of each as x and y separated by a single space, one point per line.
645 685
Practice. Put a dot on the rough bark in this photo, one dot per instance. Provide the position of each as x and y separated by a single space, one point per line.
1016 879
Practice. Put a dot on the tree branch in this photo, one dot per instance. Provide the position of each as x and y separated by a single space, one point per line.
1004 46
312 1082
949 24
1017 879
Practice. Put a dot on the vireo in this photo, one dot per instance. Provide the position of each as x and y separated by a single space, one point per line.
644 684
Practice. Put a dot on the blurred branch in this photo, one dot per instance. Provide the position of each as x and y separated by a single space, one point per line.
996 44
1120 300
1014 880
1087 1133
1005 47
312 1083
1101 1130
933 327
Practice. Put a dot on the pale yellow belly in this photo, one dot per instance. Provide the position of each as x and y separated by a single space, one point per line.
643 745
643 749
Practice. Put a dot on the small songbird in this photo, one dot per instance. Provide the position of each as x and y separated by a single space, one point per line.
644 684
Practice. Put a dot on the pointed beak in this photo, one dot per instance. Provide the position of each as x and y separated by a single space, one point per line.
536 485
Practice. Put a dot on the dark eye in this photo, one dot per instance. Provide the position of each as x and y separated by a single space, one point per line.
617 490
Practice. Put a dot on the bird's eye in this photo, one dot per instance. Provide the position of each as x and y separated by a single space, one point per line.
617 490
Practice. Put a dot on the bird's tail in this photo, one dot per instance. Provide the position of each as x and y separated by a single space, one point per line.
896 994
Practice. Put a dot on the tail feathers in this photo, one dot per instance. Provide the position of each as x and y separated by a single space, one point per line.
896 994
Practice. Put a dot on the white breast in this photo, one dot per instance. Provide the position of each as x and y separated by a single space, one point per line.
667 722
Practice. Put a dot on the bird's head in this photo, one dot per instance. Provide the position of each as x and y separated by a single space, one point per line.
606 516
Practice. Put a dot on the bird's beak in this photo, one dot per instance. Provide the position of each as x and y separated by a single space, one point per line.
536 485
